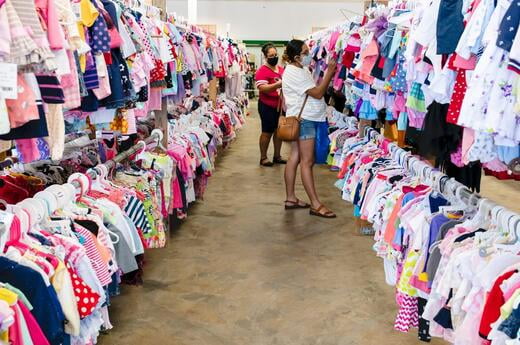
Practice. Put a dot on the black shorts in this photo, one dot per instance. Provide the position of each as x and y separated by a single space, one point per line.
269 117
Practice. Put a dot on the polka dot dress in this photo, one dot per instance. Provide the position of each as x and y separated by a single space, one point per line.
457 98
86 298
99 36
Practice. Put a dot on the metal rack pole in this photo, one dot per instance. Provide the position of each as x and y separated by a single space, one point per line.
156 136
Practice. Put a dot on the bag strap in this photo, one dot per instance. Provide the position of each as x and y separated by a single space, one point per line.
303 106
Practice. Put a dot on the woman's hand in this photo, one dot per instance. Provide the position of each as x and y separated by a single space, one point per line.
319 91
331 66
270 87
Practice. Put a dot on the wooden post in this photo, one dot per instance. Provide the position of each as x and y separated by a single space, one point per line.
161 121
213 91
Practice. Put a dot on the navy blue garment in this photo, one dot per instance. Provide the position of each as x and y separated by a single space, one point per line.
357 194
509 26
50 89
182 185
89 103
443 318
31 129
436 202
42 239
47 309
511 325
120 83
342 73
450 26
424 325
110 7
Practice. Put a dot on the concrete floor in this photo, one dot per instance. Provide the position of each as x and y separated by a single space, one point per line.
241 270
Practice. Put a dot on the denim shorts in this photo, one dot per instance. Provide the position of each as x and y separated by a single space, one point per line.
308 129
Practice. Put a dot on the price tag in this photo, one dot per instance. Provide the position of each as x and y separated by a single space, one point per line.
8 81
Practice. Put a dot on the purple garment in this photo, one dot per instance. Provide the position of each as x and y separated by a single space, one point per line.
415 118
435 226
358 106
90 76
98 33
181 92
378 26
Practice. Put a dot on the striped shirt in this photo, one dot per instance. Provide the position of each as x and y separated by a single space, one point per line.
88 240
90 76
26 10
135 211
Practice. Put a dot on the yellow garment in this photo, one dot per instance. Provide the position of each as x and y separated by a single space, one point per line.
57 278
82 57
4 335
88 13
408 268
179 62
7 295
87 16
507 308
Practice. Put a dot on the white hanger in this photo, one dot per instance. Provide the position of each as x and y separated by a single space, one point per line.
458 204
35 208
50 201
82 180
483 215
504 226
140 155
60 194
66 195
102 171
96 182
160 136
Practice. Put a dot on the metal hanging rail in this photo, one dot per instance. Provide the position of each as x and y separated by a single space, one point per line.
155 136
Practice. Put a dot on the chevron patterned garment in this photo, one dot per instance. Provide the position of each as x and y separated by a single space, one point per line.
408 315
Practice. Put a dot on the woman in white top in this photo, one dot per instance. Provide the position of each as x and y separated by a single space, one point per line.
297 84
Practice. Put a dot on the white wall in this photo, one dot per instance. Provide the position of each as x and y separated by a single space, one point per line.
267 20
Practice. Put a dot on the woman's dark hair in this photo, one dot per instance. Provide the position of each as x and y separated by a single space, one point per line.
266 47
293 49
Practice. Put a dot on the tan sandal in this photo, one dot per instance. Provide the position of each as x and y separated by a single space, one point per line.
317 212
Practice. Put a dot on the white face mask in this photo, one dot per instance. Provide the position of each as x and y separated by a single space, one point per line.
306 60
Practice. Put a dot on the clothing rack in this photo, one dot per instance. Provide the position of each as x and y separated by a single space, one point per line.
155 136
447 186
